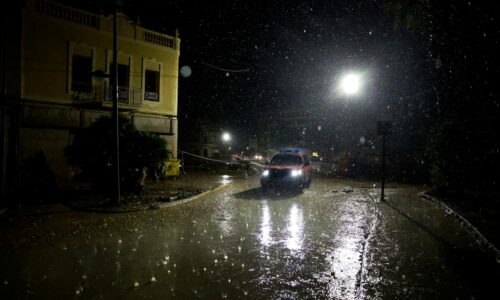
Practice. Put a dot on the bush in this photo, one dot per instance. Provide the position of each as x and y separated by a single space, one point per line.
93 150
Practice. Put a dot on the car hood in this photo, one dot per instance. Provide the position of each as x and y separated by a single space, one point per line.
284 167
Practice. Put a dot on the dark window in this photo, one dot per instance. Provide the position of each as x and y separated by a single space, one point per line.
286 160
123 75
123 81
152 85
81 79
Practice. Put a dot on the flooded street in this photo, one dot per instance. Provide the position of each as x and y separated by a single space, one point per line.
333 241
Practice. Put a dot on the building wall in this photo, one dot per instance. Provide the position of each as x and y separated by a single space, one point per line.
49 44
49 35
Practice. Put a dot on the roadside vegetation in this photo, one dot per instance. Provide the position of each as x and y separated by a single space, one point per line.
91 155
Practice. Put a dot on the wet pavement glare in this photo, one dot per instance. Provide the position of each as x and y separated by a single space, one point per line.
332 241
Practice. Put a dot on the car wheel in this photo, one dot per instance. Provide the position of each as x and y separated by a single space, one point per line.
265 188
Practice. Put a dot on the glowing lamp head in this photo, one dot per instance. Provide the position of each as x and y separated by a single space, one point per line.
350 84
226 137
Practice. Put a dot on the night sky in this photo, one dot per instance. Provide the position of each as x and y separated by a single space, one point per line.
253 58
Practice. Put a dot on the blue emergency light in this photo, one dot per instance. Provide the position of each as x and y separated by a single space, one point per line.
292 150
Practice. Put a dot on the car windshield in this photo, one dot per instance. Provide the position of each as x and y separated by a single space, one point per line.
286 160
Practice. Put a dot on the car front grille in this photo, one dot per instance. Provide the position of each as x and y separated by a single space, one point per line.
279 173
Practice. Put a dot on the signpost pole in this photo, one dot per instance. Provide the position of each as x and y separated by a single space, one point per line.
383 128
383 168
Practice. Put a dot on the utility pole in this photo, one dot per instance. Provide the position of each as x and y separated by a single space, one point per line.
3 107
116 132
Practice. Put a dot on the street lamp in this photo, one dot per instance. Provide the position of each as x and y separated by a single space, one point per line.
350 84
226 137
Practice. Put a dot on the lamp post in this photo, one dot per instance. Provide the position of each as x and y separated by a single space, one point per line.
350 85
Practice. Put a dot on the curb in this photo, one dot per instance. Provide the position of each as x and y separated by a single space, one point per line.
151 207
483 242
213 190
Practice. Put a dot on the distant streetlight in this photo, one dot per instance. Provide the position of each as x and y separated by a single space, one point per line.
226 137
350 84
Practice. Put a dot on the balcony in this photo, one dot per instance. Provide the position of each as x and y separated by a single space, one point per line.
100 95
104 23
151 96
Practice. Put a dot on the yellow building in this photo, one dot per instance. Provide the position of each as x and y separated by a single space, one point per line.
50 53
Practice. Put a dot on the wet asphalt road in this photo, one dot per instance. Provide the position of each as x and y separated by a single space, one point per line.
333 241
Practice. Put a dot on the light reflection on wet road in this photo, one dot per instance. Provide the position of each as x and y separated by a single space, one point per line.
239 243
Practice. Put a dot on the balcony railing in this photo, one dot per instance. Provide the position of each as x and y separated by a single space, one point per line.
160 39
99 94
68 13
151 96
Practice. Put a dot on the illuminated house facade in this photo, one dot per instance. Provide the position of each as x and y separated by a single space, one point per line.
50 53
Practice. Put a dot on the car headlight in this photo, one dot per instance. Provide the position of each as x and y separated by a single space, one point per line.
265 173
296 173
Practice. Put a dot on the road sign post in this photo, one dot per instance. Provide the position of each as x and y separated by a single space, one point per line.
383 128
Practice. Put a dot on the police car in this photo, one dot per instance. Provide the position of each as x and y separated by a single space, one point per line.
289 168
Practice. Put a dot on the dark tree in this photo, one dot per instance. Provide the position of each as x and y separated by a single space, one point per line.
462 41
92 149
